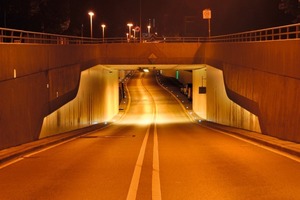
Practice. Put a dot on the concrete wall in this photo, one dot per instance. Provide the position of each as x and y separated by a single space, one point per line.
35 80
200 100
184 77
97 101
215 105
221 109
263 77
152 53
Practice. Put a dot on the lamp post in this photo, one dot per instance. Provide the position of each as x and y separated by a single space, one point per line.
149 27
207 15
103 27
140 21
129 31
91 14
133 34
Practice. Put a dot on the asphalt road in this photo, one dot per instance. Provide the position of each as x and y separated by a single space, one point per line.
154 152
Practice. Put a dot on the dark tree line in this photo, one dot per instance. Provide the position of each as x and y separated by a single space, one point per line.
292 8
52 16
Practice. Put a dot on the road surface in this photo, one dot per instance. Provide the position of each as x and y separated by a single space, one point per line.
153 152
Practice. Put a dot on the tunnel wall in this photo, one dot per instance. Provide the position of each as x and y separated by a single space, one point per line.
97 101
35 80
185 77
263 77
221 109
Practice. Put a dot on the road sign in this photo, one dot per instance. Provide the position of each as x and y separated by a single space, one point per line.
206 14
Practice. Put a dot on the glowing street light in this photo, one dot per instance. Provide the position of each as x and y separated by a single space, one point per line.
91 14
133 33
127 37
129 32
149 27
103 27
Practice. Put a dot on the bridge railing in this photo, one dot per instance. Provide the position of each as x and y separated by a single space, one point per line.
276 33
20 36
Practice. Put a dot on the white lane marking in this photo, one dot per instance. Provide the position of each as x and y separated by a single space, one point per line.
287 155
137 170
35 152
156 191
10 163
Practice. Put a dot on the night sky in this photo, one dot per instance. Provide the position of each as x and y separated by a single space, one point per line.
227 17
172 17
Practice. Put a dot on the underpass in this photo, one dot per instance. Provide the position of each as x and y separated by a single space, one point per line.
154 151
41 74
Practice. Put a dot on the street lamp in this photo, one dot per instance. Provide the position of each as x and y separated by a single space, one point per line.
91 14
133 33
103 27
207 15
149 27
129 32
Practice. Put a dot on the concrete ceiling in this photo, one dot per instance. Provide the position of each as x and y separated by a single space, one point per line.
155 66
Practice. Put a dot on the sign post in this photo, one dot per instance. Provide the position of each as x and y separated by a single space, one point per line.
207 15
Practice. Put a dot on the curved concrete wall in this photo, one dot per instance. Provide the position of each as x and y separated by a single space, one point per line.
97 101
35 80
263 77
221 109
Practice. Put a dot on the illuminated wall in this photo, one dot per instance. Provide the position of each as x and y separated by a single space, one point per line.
199 100
184 77
221 109
97 101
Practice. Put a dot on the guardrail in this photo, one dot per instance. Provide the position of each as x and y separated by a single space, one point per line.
276 33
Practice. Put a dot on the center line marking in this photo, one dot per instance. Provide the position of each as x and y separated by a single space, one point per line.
137 170
156 192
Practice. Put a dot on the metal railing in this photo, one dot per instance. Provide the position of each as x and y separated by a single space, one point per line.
276 33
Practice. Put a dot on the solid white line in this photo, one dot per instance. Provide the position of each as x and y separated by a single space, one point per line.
10 163
287 155
36 152
156 191
137 170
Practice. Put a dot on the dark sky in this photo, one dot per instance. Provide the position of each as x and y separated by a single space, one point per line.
228 16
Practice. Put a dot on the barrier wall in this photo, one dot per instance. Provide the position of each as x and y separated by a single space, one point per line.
97 101
35 80
263 77
220 109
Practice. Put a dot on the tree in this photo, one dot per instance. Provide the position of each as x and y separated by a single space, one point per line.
55 15
52 16
292 8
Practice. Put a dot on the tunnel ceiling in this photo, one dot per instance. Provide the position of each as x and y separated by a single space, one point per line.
156 66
